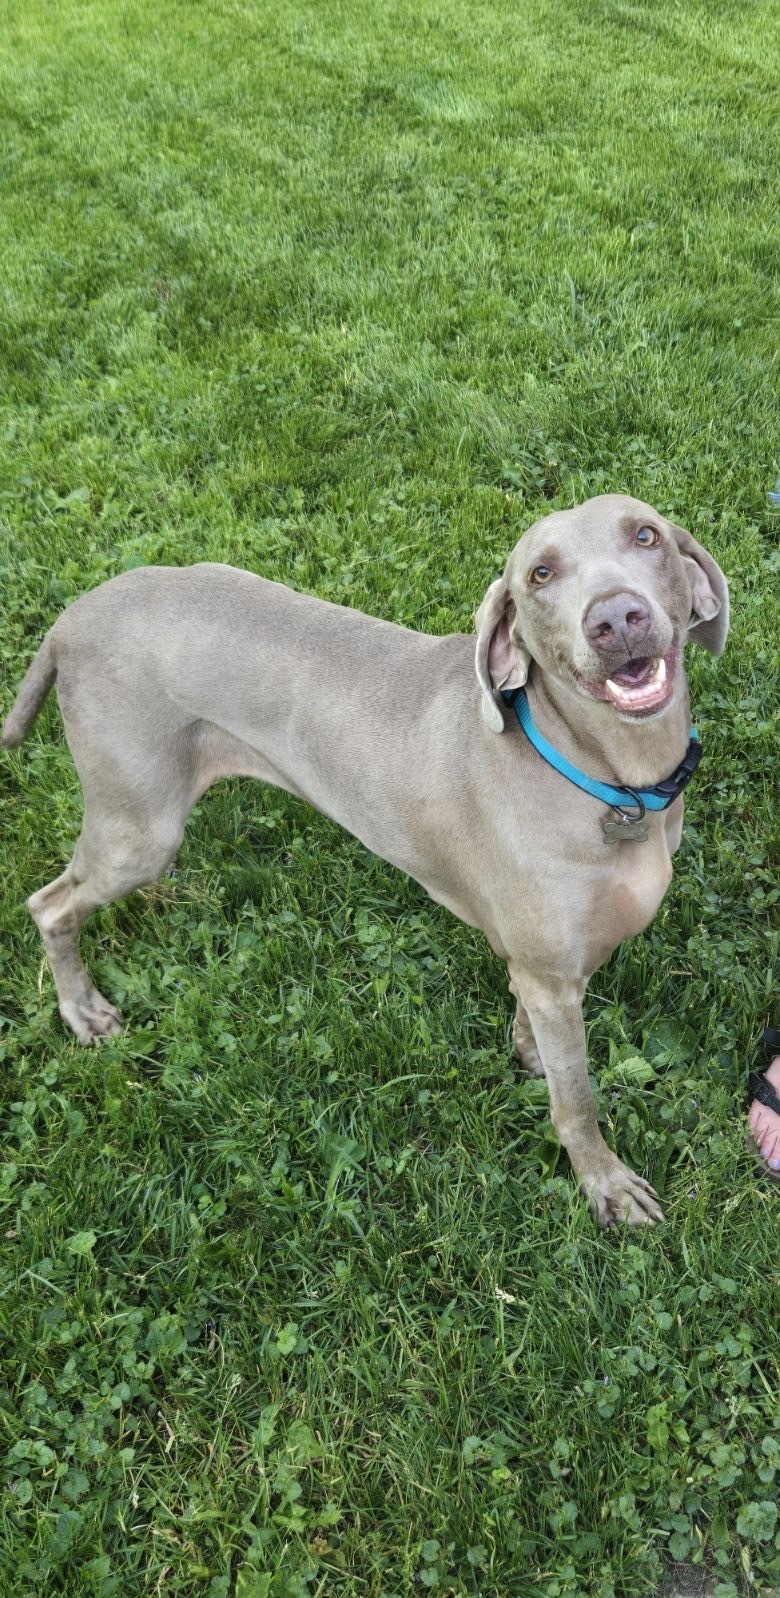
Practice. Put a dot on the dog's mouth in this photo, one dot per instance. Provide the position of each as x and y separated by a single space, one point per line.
639 687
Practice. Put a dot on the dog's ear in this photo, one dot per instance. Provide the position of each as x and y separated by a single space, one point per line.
709 623
501 659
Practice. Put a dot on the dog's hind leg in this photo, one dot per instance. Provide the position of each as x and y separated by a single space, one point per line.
524 1048
113 856
136 802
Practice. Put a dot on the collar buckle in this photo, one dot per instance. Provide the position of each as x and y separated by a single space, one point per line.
679 779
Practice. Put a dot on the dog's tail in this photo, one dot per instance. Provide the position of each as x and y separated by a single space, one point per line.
36 685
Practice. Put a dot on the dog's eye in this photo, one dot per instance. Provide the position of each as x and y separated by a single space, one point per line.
541 575
647 537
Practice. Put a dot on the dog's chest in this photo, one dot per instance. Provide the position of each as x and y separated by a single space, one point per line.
609 897
639 875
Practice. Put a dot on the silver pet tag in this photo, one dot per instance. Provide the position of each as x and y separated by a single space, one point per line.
621 827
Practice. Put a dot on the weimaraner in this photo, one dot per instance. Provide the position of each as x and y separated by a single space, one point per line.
169 679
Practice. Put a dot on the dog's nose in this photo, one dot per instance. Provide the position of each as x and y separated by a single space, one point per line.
621 619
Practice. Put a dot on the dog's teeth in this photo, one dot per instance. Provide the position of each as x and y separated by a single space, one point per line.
644 693
620 693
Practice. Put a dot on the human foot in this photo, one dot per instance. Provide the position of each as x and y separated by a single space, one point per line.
764 1116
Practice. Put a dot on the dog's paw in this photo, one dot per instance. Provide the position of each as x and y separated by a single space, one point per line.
91 1017
528 1060
524 1050
615 1193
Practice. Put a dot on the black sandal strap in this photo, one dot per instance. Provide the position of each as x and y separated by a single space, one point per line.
760 1089
771 1037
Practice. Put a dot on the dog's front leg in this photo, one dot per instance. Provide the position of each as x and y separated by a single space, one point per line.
554 1010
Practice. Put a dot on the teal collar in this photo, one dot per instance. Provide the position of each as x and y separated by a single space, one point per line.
657 798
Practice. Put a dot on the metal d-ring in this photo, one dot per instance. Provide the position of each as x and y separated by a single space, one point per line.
638 801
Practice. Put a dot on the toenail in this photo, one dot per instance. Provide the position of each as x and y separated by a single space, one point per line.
774 1165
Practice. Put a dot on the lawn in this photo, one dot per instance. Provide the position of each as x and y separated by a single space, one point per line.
298 1296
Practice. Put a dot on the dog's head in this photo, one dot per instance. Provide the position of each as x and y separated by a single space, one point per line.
603 598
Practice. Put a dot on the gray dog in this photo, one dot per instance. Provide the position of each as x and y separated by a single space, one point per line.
169 679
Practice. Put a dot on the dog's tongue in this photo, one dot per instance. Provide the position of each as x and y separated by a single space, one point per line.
638 685
635 672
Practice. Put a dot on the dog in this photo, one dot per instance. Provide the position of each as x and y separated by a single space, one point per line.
170 678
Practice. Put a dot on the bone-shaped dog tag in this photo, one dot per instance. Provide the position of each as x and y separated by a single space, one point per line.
621 828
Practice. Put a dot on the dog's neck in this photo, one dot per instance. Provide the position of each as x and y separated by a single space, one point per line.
592 736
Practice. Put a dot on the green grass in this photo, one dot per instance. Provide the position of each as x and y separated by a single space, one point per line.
298 1295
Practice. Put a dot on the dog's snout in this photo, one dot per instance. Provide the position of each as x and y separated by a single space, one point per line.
621 619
